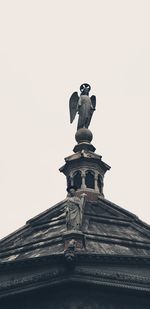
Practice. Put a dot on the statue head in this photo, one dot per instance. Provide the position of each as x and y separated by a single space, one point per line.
85 89
72 190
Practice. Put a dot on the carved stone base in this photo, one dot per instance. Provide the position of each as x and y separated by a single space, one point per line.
84 137
74 239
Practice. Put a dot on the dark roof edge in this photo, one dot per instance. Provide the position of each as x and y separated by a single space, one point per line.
90 258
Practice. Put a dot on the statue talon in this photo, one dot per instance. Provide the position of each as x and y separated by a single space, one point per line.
83 105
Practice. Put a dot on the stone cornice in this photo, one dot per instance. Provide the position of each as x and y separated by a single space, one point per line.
82 258
59 274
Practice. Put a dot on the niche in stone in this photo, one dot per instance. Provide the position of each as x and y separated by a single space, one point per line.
77 180
89 180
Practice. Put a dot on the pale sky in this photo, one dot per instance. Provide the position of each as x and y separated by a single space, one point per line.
48 48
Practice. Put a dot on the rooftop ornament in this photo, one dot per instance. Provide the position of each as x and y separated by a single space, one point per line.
83 105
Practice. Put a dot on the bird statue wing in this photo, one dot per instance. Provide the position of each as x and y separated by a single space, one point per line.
73 105
93 100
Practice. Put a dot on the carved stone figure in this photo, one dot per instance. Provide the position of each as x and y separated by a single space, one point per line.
73 210
83 105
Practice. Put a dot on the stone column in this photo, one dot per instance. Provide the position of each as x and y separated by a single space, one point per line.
83 186
96 182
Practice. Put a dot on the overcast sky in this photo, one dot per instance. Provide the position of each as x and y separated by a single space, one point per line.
48 48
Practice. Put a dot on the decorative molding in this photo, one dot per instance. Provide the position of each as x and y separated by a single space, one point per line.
77 274
109 275
82 257
30 279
